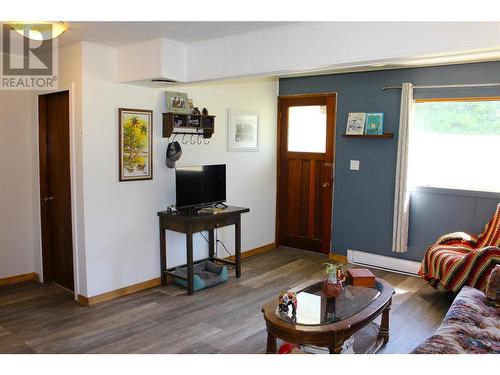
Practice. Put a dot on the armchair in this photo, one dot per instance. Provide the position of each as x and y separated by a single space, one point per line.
458 259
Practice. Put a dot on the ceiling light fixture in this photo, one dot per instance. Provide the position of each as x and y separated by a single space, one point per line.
39 30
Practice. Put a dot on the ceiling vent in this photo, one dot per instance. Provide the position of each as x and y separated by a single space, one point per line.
164 81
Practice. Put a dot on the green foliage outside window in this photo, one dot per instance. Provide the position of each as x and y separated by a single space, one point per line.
461 118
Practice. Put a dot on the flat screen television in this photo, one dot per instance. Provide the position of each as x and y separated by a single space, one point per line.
200 185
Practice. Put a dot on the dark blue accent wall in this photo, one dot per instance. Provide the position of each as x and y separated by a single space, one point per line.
364 199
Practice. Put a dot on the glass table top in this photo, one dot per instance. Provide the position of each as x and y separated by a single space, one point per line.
314 308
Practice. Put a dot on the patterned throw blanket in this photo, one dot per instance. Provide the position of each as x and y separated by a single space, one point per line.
470 326
459 259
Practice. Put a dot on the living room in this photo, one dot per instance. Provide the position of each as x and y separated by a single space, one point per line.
180 185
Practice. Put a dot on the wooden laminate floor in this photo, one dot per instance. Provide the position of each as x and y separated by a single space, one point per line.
43 318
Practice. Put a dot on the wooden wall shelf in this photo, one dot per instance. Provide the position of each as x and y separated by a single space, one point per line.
385 135
195 124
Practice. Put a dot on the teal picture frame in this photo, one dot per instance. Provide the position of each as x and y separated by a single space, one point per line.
374 123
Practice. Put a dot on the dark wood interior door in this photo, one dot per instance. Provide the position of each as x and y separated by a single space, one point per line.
306 134
55 189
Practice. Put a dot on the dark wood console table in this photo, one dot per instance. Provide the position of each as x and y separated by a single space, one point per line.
193 223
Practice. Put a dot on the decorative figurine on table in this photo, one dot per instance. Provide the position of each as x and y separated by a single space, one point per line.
335 275
286 299
196 111
204 112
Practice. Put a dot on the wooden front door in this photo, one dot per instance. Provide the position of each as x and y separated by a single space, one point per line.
306 134
55 189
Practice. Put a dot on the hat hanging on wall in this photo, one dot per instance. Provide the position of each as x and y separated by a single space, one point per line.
174 152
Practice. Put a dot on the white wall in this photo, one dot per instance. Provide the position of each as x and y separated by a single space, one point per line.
69 78
71 75
121 225
116 230
17 178
20 237
251 176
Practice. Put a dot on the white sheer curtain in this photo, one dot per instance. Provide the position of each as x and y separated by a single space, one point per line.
402 191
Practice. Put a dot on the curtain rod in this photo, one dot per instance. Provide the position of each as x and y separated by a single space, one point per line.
384 88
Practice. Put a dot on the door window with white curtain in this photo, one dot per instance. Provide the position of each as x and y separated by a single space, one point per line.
455 144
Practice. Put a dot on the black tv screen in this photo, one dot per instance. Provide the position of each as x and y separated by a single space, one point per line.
200 185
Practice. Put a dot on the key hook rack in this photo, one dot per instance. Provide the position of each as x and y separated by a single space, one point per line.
193 138
195 129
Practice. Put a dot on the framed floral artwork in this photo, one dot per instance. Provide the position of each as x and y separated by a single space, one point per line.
135 144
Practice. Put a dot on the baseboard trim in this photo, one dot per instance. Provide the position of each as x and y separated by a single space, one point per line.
88 301
404 266
256 251
31 276
337 258
82 300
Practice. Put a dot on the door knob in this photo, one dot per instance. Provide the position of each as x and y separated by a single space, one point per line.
46 199
325 184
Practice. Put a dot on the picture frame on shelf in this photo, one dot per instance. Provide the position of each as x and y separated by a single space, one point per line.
177 102
374 124
243 130
190 106
356 123
135 149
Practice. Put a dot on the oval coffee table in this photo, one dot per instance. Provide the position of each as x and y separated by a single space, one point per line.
328 322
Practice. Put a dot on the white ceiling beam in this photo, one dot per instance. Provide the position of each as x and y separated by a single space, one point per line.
323 46
159 58
308 47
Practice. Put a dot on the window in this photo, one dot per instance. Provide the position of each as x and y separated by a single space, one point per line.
307 128
456 144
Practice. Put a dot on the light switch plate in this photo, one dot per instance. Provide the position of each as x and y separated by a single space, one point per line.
354 165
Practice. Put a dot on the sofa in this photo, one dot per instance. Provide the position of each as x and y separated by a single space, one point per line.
471 325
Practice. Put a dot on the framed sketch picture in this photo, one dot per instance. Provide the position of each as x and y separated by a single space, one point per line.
177 102
374 123
135 144
243 130
356 123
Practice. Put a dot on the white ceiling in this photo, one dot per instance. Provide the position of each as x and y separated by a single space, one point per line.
293 48
122 33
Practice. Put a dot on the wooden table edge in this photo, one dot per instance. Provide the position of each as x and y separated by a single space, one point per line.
323 333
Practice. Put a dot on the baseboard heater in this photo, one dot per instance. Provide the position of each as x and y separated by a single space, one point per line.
404 266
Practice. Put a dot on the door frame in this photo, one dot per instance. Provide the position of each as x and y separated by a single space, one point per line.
278 157
74 136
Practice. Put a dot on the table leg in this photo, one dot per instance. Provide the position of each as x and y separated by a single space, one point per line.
163 254
384 324
211 244
336 347
237 244
189 255
271 343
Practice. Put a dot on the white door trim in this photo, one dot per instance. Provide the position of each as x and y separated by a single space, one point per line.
70 87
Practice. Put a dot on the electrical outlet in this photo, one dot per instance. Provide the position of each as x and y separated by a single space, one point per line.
354 165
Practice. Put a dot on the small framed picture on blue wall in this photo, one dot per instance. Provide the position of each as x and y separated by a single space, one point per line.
374 124
356 123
